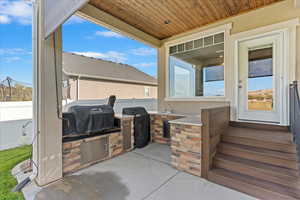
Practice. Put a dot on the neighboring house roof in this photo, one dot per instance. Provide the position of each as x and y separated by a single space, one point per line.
86 67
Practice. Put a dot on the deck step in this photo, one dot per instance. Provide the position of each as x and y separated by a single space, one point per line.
272 140
288 148
277 158
261 135
258 188
267 172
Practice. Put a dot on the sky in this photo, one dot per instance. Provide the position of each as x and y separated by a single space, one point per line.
79 36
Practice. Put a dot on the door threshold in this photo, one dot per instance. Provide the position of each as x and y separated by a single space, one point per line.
259 122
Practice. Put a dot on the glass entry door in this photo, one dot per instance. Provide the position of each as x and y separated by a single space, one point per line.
259 79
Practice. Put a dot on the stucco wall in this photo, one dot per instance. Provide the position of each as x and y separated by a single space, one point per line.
272 14
90 89
73 89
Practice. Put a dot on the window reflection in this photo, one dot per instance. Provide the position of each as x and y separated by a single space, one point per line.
260 79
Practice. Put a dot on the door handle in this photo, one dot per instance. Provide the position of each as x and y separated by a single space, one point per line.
240 84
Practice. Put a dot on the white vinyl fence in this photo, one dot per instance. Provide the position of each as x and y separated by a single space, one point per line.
16 125
12 133
13 116
15 110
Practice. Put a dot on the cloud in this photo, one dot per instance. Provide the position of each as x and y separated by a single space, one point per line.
4 19
110 55
10 55
11 59
143 51
19 11
110 34
13 51
150 64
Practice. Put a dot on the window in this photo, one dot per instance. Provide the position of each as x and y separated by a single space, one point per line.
260 79
213 84
147 91
196 68
182 77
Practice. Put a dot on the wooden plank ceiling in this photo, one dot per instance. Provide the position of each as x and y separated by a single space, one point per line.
164 18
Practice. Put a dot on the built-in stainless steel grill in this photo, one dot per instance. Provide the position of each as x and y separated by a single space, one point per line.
86 120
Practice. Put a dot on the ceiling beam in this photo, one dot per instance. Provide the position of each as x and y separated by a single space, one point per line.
297 3
106 20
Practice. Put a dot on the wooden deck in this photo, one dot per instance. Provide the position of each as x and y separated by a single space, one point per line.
259 160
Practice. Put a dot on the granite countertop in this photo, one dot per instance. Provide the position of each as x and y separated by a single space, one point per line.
122 116
194 120
165 113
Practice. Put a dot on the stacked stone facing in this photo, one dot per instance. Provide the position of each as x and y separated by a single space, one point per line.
72 155
157 127
186 148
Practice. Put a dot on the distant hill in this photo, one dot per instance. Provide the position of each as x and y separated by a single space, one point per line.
261 94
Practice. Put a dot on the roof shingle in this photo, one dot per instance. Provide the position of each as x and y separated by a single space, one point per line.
78 65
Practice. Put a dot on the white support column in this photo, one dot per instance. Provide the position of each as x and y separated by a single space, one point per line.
47 149
161 77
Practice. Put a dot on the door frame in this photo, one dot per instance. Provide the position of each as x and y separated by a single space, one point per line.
288 29
244 114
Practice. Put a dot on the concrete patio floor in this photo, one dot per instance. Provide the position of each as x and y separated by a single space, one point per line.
143 174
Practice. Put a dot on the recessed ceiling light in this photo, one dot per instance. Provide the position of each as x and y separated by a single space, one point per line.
167 21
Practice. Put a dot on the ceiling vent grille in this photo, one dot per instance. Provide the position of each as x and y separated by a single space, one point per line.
197 44
180 47
208 41
189 45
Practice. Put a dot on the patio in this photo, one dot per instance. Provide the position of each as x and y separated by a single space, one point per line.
214 136
141 174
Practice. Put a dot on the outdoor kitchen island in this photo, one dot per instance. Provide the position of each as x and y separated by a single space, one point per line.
186 144
193 138
81 153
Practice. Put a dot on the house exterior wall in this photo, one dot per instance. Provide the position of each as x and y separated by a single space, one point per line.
73 88
91 89
276 13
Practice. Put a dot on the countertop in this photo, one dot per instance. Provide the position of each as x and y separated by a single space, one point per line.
194 120
122 116
165 113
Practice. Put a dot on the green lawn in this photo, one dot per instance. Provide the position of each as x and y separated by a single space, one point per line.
9 159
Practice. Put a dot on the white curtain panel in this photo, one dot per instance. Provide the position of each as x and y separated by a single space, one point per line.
57 12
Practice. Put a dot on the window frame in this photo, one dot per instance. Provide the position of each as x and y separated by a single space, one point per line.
194 36
147 92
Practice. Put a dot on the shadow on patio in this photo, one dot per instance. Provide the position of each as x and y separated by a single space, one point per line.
143 174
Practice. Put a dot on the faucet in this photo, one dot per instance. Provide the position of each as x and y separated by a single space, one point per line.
168 108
